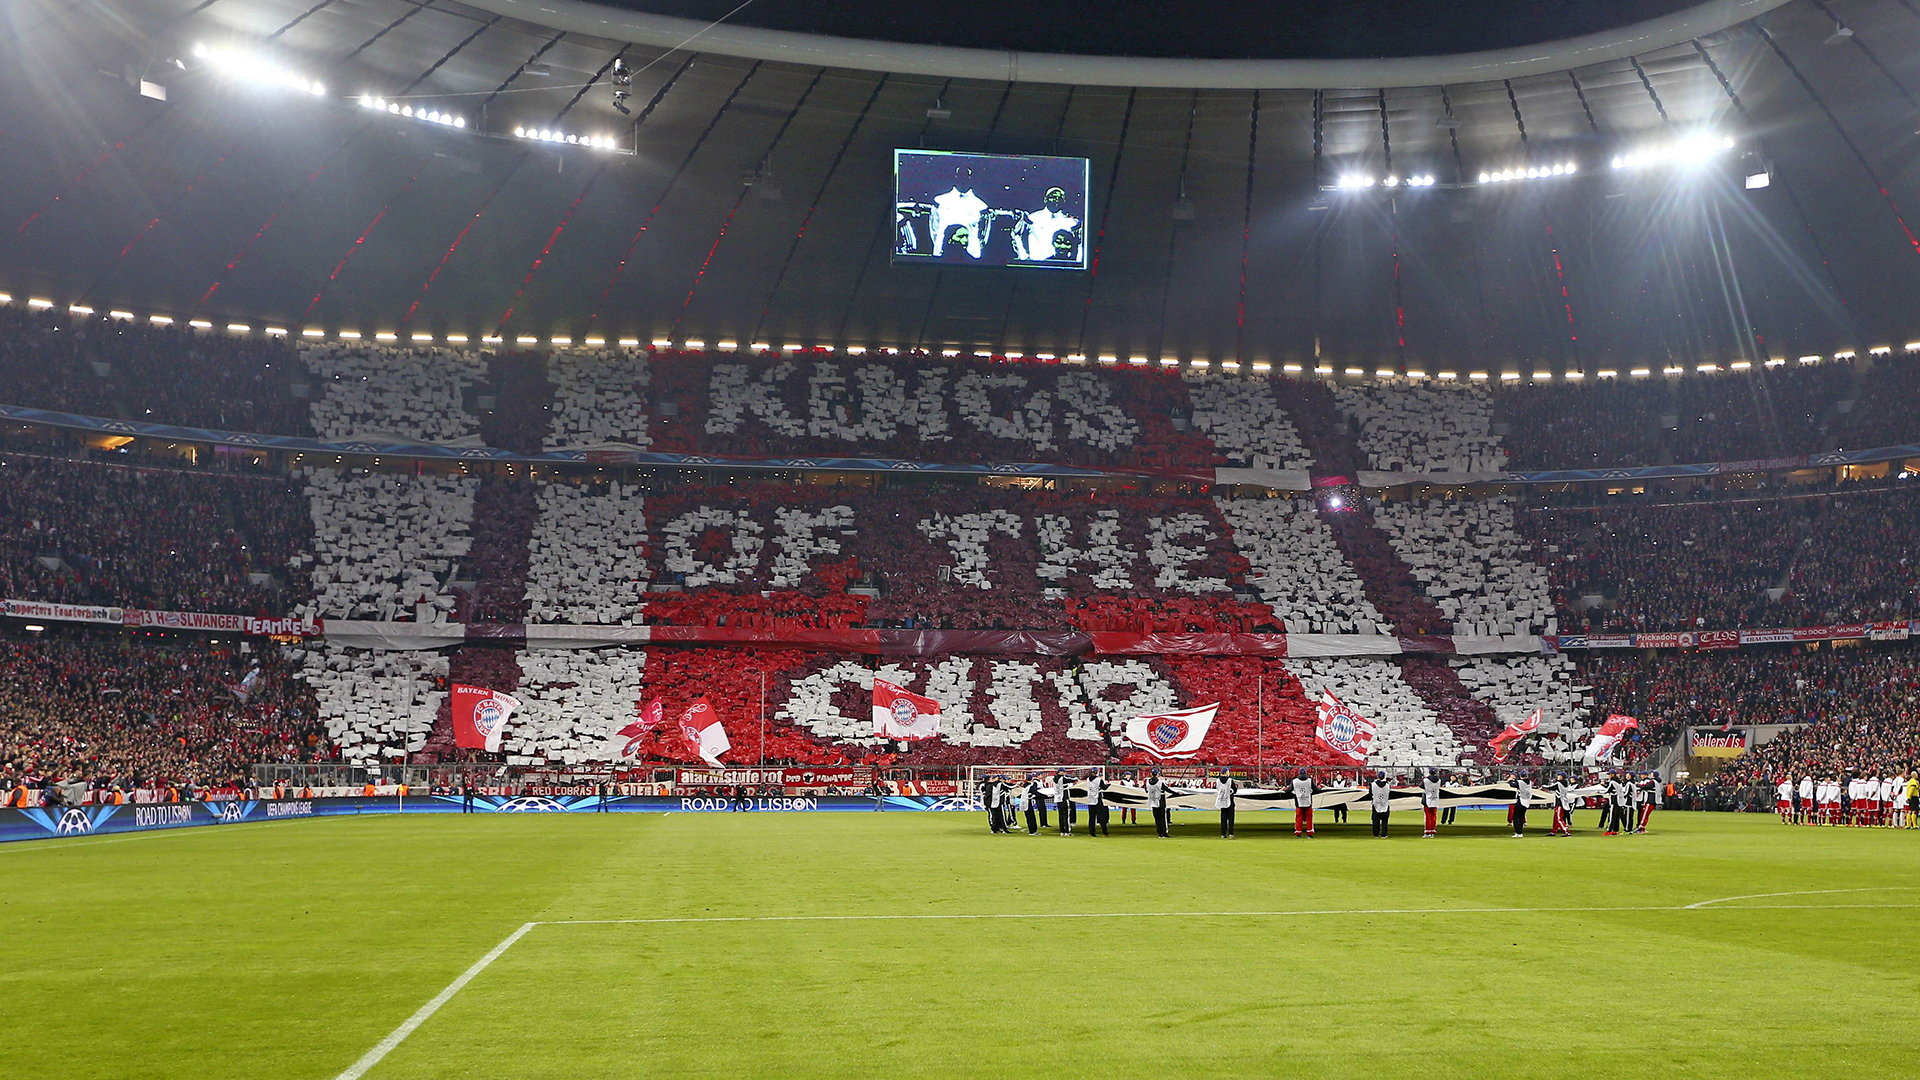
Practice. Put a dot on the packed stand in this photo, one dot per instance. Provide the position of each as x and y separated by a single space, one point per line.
599 398
1296 567
387 544
140 717
1246 423
1704 566
1473 564
587 555
372 392
161 539
1436 427
121 369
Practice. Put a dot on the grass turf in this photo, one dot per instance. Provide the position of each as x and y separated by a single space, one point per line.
288 949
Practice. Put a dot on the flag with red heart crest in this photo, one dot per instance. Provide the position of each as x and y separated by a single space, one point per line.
1173 734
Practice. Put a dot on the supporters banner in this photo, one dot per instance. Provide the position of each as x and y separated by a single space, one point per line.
1719 639
1890 631
40 609
1765 637
1714 743
1609 641
1663 641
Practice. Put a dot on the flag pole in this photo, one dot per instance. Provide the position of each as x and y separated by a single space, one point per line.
763 718
1259 725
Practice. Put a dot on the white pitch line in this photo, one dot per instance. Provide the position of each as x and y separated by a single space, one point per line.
386 1045
1803 892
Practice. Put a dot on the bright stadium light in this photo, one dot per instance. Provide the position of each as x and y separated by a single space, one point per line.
313 331
1845 354
1810 359
1608 373
1880 350
1640 372
1686 151
1530 172
555 135
1291 369
256 68
424 114
1740 365
1449 376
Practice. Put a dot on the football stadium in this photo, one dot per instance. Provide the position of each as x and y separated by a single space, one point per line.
701 538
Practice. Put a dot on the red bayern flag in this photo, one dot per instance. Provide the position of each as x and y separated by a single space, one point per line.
1504 741
1341 730
480 717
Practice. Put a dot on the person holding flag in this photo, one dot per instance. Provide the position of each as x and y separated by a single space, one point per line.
1157 802
701 726
1503 743
1097 804
1224 790
1063 802
1522 795
1303 792
1381 793
1430 801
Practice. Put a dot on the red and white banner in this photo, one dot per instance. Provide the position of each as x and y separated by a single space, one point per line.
1719 639
41 609
1503 742
480 717
850 778
1609 737
1174 734
900 714
703 730
623 744
1342 730
1890 631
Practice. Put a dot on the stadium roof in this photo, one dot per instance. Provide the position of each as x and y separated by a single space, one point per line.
749 197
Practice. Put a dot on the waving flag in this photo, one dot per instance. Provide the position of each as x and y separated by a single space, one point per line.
1608 738
1174 734
624 744
701 725
1341 730
898 714
244 688
1505 741
480 717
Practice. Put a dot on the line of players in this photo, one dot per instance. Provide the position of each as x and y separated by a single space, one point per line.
1627 802
1890 802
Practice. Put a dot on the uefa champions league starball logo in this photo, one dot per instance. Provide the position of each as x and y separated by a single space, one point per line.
531 804
232 811
73 821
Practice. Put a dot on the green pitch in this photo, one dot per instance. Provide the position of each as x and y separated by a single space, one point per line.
289 950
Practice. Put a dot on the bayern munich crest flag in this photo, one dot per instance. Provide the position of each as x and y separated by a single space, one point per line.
624 743
480 717
1609 737
898 714
1504 742
701 725
1341 730
1174 734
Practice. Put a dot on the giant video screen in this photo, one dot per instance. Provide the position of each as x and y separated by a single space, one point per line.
955 209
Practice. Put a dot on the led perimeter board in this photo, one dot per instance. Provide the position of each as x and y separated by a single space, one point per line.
955 209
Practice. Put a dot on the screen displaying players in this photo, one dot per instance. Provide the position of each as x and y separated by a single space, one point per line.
955 209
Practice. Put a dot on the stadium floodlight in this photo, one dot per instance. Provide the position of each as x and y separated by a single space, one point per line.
1390 181
1703 368
762 346
795 347
39 302
629 343
1477 376
424 114
421 337
1913 346
1356 371
239 328
1845 354
1229 365
1509 376
1046 356
553 135
386 335
987 354
1416 373
1323 369
6 298
118 314
160 320
313 331
1810 359
696 343
491 339
1541 376
1137 361
1673 369
256 68
1383 373
1574 376
1740 365
526 339
949 353
1640 372
1530 172
1448 376
1351 181
200 324
1687 151
456 339
662 343
1608 373
79 309
729 345
1169 361
1194 363
1880 350
349 335
1776 361
1291 369
561 341
1009 355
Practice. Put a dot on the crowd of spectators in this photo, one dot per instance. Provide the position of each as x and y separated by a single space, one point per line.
133 715
128 370
85 533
